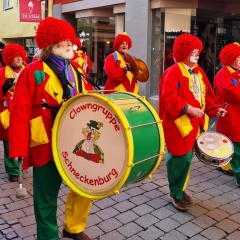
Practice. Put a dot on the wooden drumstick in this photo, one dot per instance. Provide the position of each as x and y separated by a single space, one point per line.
218 117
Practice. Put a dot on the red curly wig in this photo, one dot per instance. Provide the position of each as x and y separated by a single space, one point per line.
120 38
184 45
52 31
76 41
229 53
11 51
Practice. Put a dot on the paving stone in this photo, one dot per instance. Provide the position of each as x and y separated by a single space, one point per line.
213 192
93 232
196 188
195 173
94 209
229 208
28 220
104 203
13 215
189 229
93 220
162 213
153 194
129 229
26 231
124 206
142 209
112 235
197 210
110 225
151 233
157 203
213 233
228 226
202 196
174 235
217 214
149 186
208 204
167 224
236 203
234 236
204 221
231 196
182 217
107 213
235 218
146 221
221 200
139 199
219 182
121 197
198 237
224 188
134 191
11 235
127 217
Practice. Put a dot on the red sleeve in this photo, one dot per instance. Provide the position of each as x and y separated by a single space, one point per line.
113 70
228 88
21 112
173 103
89 64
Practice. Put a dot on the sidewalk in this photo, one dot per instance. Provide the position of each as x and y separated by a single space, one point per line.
142 211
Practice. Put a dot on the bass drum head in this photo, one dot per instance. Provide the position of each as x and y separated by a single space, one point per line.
91 147
215 145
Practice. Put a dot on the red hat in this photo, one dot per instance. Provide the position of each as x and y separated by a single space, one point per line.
11 51
52 31
184 45
120 38
76 41
229 53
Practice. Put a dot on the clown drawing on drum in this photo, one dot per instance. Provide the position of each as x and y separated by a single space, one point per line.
185 93
86 148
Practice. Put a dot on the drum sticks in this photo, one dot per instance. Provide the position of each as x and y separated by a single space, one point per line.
226 105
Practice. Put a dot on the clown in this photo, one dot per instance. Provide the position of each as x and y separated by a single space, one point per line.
86 148
119 77
227 88
42 89
13 56
184 93
80 56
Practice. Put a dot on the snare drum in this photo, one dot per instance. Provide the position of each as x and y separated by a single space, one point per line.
104 142
214 149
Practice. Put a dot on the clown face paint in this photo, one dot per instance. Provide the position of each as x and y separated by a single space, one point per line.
194 56
74 47
123 48
236 63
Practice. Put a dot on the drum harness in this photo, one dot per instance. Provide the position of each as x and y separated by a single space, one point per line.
65 85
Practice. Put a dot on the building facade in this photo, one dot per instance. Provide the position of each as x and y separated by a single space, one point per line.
153 25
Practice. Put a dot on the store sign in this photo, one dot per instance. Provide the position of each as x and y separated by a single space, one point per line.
30 10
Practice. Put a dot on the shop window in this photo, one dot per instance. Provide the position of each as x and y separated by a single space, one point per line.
97 35
7 4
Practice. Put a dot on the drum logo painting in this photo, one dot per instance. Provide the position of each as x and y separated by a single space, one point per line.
92 145
87 148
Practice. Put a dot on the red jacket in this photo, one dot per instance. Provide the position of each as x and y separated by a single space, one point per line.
30 122
174 93
228 91
116 75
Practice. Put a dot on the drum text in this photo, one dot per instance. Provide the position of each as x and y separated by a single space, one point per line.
96 107
99 180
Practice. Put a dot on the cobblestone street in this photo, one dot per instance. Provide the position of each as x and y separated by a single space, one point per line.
141 211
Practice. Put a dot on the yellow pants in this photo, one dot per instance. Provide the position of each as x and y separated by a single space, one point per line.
75 216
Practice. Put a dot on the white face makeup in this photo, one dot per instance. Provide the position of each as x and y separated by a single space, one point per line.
74 47
194 56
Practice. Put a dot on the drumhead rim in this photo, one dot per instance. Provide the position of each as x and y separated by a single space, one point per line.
127 134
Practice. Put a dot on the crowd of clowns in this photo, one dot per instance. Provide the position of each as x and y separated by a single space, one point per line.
30 93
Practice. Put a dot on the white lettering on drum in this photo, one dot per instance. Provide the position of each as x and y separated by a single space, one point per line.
100 180
95 107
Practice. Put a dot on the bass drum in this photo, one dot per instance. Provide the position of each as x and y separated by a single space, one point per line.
104 142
